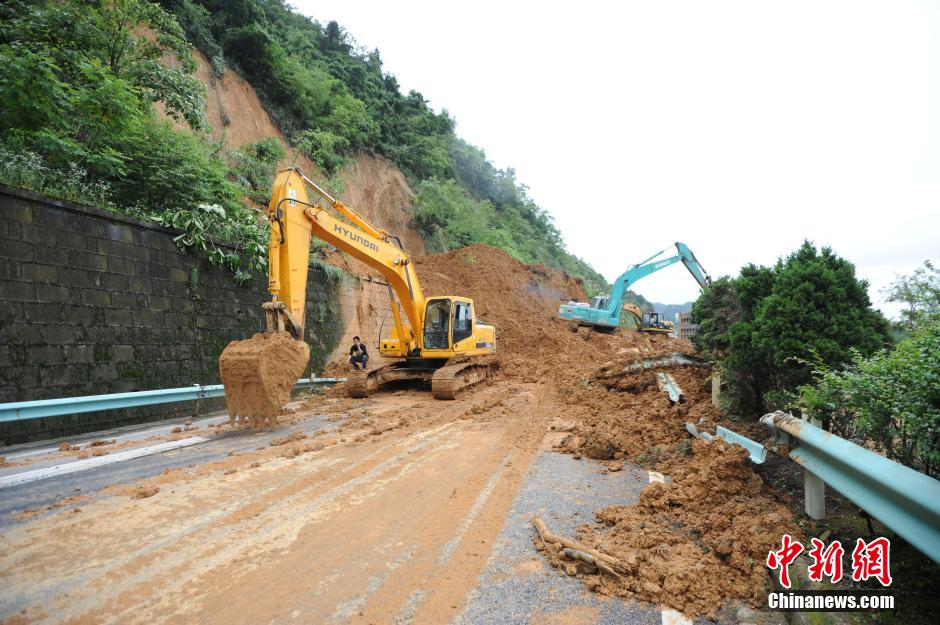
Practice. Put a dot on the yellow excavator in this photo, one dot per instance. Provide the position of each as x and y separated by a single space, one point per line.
442 341
648 322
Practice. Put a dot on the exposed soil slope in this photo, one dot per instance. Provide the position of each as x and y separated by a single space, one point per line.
373 184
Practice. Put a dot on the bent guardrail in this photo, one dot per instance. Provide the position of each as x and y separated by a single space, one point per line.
756 451
40 408
904 500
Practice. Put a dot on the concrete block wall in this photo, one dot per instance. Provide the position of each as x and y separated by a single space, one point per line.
92 302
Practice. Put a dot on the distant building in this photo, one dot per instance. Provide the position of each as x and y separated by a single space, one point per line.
687 329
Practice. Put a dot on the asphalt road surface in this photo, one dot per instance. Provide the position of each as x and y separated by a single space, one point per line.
400 509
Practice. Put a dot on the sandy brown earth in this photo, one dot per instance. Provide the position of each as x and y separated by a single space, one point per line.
258 375
306 525
393 514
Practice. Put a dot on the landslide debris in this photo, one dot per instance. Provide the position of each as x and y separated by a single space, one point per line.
693 542
626 417
522 301
696 541
258 375
701 538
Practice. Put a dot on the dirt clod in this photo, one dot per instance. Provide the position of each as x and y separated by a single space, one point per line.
145 492
294 437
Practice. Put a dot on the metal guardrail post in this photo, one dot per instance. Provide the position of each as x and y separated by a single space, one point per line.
904 500
814 490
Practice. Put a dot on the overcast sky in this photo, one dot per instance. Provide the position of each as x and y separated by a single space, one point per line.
738 128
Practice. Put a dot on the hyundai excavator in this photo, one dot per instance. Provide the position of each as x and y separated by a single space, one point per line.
604 313
442 341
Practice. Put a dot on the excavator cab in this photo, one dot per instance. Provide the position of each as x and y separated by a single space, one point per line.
437 324
448 326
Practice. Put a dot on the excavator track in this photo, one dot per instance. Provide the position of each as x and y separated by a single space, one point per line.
364 383
449 380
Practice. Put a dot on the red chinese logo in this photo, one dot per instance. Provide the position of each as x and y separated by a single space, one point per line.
872 560
827 561
784 558
869 560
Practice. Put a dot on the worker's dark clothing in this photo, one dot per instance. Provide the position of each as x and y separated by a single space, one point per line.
358 355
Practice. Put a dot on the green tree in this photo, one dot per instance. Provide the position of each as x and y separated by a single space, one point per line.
716 310
79 81
919 292
767 325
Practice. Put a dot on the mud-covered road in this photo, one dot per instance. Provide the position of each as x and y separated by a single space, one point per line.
402 509
384 511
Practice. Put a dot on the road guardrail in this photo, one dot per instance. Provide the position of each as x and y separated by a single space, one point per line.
40 408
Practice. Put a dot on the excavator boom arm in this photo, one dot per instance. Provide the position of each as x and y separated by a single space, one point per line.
294 219
648 266
691 263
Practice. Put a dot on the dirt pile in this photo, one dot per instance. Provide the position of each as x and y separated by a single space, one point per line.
258 375
701 538
521 301
695 541
627 417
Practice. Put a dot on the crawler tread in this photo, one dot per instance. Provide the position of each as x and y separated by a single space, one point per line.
449 380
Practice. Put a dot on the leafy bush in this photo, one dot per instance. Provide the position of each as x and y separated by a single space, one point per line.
324 148
447 216
27 170
254 166
891 399
207 224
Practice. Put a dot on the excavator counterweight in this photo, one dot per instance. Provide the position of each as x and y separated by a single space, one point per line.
437 339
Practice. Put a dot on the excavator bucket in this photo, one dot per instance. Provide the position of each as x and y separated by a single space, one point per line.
258 375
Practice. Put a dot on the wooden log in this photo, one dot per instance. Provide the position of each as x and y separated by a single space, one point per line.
575 554
549 537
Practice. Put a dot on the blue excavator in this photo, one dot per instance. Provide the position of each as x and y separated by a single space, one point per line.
605 312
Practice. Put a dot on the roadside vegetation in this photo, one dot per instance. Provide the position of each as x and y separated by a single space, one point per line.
891 399
80 81
802 335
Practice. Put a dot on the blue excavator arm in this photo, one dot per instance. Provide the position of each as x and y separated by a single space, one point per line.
610 316
691 263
